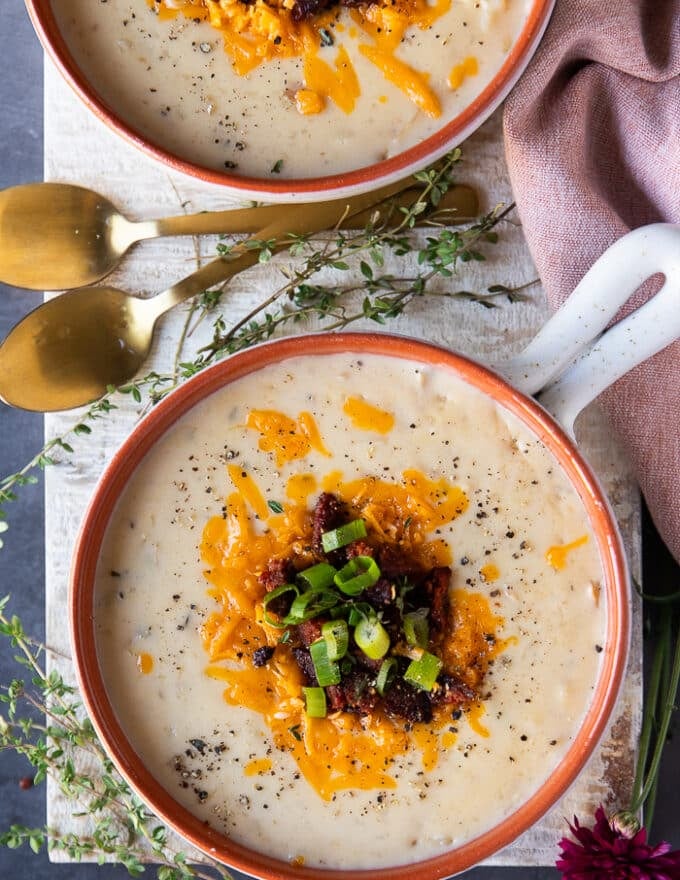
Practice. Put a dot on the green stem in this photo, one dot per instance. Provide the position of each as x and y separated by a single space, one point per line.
650 803
182 339
647 724
667 705
666 670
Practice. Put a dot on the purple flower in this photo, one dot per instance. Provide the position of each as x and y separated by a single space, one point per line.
615 850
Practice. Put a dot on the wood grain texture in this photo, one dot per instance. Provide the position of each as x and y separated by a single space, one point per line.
79 149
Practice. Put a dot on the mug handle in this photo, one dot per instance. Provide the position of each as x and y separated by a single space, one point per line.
571 360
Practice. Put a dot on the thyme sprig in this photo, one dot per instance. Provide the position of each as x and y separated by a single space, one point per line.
306 299
44 721
385 295
48 455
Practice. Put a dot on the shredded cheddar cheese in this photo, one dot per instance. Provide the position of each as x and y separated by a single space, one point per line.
489 572
259 31
339 83
459 73
288 439
475 714
342 750
367 417
299 487
249 489
308 102
475 642
258 766
556 556
145 663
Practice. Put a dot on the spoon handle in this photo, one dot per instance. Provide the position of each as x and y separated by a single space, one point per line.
460 200
215 272
296 220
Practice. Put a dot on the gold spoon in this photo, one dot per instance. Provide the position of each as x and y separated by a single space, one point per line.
55 236
67 352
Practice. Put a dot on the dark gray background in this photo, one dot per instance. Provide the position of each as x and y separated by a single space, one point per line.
22 558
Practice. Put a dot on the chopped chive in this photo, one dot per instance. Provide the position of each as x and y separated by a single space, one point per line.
327 672
336 635
274 594
309 605
315 701
343 535
359 574
275 506
359 611
371 636
385 673
317 577
423 672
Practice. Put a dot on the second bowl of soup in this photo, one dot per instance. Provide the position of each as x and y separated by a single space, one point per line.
292 99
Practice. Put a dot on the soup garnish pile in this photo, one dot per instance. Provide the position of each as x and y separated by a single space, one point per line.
353 588
341 623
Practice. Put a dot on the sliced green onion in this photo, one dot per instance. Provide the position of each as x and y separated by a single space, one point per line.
423 672
318 577
359 574
416 628
386 672
343 535
315 701
355 617
309 605
327 672
371 636
279 591
360 611
336 635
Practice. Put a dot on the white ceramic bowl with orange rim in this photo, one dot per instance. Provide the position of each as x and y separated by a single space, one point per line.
306 181
567 365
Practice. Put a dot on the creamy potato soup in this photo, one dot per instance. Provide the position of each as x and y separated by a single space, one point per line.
356 95
228 476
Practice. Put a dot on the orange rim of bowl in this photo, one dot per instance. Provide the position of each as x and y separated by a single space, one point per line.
365 178
161 419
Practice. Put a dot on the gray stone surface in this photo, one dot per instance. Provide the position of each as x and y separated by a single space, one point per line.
22 558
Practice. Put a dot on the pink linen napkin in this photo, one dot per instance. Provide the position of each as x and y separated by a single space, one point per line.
592 134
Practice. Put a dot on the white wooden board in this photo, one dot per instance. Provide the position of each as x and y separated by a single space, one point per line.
79 149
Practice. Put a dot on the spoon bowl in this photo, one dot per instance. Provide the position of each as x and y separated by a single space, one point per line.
63 234
55 236
66 352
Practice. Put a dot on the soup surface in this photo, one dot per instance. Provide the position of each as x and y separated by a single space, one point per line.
172 80
521 545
